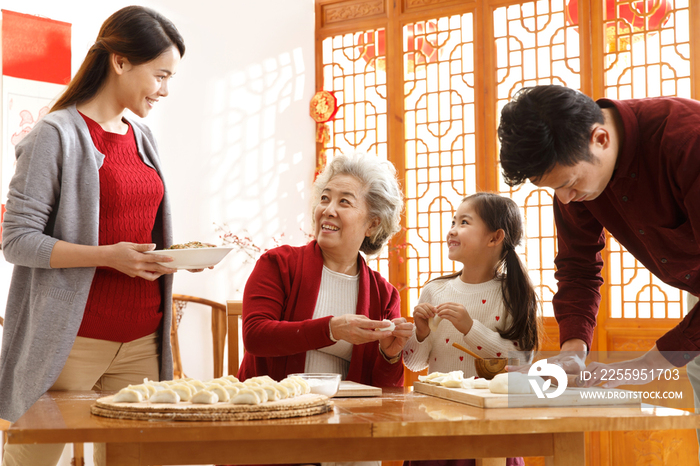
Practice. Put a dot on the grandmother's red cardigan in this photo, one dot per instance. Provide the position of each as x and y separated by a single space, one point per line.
278 326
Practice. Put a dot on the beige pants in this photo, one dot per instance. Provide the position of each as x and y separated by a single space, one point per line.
93 365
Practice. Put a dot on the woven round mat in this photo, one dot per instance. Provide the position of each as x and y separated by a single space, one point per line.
304 405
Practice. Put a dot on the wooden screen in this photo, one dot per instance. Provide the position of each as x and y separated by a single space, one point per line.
430 78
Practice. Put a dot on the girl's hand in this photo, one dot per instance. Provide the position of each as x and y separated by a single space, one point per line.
357 329
457 314
393 344
129 259
422 314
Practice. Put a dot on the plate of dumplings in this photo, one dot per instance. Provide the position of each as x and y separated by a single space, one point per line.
224 398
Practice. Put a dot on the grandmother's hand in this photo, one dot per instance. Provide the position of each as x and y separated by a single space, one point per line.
393 344
356 329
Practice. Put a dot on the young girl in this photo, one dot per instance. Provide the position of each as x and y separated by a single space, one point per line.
489 307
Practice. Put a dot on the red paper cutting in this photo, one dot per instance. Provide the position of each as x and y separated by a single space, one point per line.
35 48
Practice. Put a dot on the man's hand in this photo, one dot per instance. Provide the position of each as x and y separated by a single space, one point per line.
572 359
638 371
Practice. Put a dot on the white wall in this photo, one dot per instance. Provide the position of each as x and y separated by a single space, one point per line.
235 136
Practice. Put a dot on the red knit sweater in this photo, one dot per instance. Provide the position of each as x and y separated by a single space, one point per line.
121 308
279 328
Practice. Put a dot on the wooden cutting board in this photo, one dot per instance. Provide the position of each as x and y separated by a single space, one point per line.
483 398
348 389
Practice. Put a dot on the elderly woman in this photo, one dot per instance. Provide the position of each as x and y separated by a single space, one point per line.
317 308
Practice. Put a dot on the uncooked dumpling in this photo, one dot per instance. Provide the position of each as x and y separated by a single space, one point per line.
262 394
220 391
205 397
263 379
436 378
386 329
183 390
196 385
272 393
145 390
433 323
305 388
232 391
246 397
127 395
154 384
293 387
283 391
165 396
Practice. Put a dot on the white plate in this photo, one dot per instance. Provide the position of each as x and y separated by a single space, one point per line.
194 258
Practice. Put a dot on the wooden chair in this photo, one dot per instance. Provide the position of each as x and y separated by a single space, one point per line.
218 330
234 311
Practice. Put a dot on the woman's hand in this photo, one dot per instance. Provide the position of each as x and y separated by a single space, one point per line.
422 314
393 344
457 315
356 329
129 259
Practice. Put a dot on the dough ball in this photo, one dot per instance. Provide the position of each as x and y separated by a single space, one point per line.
510 383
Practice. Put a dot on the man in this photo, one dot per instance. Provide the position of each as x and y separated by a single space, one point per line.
631 167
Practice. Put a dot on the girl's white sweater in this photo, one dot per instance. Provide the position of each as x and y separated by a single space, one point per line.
484 302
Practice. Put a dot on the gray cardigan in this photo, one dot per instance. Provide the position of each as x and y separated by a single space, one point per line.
54 195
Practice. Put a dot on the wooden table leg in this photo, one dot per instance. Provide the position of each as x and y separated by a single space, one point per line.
569 450
490 462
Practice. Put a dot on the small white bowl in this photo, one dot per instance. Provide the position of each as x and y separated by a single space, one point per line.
322 384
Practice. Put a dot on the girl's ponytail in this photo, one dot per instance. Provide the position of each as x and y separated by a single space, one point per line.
521 302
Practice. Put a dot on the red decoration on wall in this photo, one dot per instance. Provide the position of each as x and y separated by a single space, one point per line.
322 109
421 46
35 48
644 15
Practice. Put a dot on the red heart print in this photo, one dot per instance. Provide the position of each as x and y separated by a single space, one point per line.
498 355
411 350
447 340
483 301
515 343
498 318
479 348
461 358
436 359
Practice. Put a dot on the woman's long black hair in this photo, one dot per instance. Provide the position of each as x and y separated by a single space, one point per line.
137 33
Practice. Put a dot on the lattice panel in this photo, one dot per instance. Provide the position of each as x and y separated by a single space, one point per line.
647 55
438 61
647 49
354 70
535 45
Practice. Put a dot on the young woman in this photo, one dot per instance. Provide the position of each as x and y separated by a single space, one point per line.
490 306
87 309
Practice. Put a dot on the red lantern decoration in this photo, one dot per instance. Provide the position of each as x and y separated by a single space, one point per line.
420 47
322 109
634 17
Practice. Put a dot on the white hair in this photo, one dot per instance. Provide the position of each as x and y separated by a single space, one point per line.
382 194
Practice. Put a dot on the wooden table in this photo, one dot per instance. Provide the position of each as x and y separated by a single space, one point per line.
398 425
